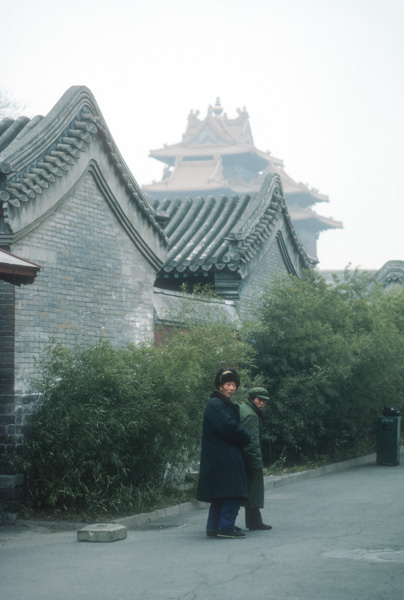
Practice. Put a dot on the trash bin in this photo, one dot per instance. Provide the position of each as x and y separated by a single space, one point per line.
388 437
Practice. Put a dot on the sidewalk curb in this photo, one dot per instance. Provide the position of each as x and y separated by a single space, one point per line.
274 481
270 482
135 521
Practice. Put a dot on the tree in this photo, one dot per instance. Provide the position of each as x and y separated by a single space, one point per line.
332 356
8 106
115 428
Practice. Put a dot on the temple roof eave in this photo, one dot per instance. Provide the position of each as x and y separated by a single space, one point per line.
48 149
314 221
302 195
167 153
16 270
225 234
229 143
216 188
392 272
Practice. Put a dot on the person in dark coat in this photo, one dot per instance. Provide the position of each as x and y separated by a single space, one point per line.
222 480
251 418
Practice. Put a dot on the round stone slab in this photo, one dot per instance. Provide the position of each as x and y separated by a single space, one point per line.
102 532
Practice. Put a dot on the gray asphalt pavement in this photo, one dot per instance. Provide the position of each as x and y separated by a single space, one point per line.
338 536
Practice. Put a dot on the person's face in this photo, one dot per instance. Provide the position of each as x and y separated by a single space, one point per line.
228 389
259 403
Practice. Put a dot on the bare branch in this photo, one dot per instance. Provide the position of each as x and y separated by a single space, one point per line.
9 107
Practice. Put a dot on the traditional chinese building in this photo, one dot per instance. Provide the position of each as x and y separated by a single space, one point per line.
391 274
236 244
109 263
68 203
217 156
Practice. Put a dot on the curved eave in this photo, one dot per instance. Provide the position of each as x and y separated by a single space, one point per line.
225 234
303 196
34 159
208 188
265 212
169 153
313 221
232 131
296 193
197 231
392 272
192 180
216 125
16 270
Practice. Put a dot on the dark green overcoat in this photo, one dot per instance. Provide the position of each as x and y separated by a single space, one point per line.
251 419
221 473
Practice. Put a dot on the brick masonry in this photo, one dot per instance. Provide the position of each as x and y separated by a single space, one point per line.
7 325
268 262
94 283
11 497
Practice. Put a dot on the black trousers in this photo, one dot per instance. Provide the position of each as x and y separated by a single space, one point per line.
253 517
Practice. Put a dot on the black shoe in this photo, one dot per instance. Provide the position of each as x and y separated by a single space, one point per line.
230 533
261 527
211 533
237 528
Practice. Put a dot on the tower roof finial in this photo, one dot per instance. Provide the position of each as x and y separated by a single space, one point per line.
218 109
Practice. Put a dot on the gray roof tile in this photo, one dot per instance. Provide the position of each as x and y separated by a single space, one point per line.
222 233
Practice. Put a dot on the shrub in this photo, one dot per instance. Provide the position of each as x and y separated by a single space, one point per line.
332 356
115 427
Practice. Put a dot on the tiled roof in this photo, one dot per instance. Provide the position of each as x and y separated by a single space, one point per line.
392 272
218 136
16 270
233 135
223 233
192 175
34 153
197 231
12 129
23 185
300 213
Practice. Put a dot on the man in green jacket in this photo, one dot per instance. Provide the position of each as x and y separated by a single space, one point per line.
251 418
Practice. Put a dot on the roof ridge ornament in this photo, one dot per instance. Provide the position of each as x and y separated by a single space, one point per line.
218 108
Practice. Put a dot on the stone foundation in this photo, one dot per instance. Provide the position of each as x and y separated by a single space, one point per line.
11 496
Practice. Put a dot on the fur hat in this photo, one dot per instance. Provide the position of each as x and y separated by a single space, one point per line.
226 375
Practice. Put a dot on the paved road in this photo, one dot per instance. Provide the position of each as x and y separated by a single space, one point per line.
335 537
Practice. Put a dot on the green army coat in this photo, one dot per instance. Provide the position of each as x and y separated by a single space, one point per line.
251 419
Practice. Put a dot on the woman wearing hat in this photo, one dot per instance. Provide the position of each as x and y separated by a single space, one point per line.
222 480
251 417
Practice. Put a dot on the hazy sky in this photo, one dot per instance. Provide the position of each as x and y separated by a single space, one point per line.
322 81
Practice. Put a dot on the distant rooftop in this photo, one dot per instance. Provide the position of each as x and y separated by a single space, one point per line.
217 156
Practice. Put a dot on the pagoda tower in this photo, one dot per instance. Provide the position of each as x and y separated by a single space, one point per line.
217 157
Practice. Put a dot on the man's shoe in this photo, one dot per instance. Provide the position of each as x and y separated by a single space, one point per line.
211 533
237 528
231 533
261 527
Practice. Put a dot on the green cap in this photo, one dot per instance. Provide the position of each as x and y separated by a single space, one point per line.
258 392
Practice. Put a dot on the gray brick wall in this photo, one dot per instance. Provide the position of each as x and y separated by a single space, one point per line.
7 418
251 289
93 284
11 488
11 497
